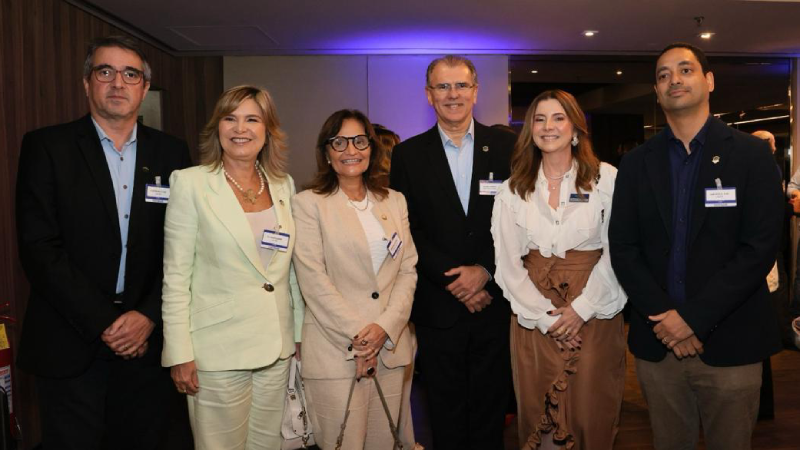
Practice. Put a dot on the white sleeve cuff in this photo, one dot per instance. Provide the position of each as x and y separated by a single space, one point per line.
583 308
545 322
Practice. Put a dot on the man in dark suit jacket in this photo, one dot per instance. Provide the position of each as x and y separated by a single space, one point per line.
461 318
90 219
694 232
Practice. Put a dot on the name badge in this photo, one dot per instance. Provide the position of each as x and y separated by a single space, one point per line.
394 245
582 198
275 240
156 193
489 187
720 197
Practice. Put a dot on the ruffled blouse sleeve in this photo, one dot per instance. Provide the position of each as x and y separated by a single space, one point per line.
510 242
603 297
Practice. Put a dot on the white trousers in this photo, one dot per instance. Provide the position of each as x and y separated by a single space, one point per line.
367 427
239 409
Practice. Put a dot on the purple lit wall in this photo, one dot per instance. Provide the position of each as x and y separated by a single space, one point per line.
388 88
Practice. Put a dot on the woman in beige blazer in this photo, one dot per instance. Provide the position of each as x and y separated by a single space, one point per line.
355 263
232 310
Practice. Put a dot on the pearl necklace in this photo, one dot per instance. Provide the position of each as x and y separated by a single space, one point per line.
248 195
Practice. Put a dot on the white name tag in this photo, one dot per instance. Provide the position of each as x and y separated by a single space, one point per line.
720 197
394 245
156 193
275 240
489 187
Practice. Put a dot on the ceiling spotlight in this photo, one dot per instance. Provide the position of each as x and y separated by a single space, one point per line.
534 71
619 72
706 35
590 33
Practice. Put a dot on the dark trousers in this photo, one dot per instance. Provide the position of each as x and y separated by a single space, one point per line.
466 371
116 404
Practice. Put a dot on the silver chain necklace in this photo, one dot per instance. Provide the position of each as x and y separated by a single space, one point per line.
248 195
353 204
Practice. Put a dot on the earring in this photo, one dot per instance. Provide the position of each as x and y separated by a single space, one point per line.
575 140
329 162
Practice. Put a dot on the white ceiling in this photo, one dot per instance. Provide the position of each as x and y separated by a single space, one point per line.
294 27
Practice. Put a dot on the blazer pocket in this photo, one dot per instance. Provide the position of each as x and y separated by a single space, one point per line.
211 315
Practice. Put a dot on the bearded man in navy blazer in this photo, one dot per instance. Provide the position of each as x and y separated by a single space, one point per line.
90 223
694 232
461 318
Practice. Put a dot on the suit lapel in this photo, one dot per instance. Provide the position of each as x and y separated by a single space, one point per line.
226 207
89 143
280 200
441 169
714 149
658 172
386 218
480 165
144 171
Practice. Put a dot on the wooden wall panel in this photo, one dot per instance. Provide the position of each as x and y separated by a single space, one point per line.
42 48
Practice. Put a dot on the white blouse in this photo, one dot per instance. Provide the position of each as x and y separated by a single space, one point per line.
519 226
260 221
372 230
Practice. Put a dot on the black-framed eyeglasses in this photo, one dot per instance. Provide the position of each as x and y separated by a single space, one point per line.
107 74
339 143
443 88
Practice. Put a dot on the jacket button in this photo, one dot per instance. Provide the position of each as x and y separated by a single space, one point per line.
563 285
375 295
268 287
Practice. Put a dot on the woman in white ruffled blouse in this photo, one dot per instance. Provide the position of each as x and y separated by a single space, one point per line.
550 228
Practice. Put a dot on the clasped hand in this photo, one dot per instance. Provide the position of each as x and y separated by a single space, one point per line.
367 344
468 288
676 334
565 330
127 336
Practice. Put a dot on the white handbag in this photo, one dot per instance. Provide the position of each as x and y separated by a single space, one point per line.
296 429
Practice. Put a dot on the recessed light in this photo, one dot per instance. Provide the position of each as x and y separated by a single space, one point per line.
619 72
706 35
590 33
534 71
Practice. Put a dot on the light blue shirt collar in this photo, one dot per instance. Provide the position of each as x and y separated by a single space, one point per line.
446 139
103 136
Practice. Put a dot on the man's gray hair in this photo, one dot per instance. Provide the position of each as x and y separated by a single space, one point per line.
452 61
122 42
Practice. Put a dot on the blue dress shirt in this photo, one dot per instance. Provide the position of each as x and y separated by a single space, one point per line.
460 161
121 167
684 168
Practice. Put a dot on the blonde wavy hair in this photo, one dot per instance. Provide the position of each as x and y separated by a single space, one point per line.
273 157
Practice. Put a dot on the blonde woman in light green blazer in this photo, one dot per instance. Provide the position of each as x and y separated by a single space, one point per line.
231 307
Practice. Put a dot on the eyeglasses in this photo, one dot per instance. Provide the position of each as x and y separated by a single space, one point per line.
444 88
107 74
339 143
